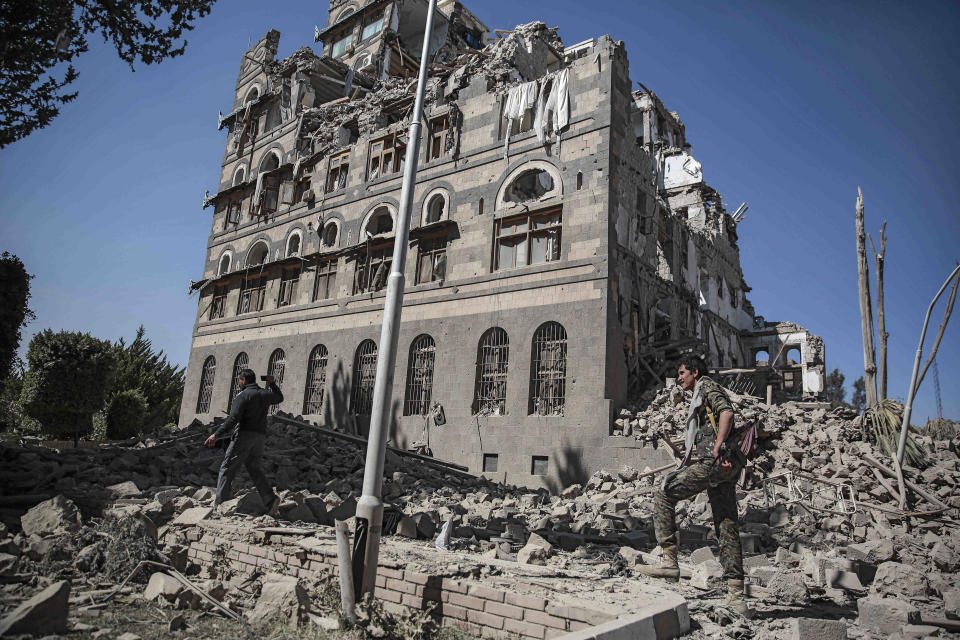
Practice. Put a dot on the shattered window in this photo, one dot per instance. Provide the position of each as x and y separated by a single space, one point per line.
293 245
439 134
372 26
316 380
373 267
548 380
224 265
238 176
435 208
275 368
530 238
493 356
234 210
219 302
337 177
270 194
252 293
364 376
342 45
386 157
289 281
329 237
325 285
420 376
239 364
302 189
258 255
380 222
206 384
518 125
529 185
432 259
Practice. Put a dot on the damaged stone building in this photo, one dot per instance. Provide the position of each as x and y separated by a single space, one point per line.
564 247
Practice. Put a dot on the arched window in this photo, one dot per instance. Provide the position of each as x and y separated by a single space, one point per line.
241 363
380 222
761 358
329 237
793 357
269 162
548 370
238 177
206 384
420 376
224 267
316 380
435 208
258 254
275 367
529 185
493 354
273 117
252 95
293 244
364 375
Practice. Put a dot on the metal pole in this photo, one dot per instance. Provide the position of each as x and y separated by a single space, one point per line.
911 391
370 505
346 572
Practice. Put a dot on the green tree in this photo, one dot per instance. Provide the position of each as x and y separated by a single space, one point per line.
10 410
859 398
39 36
159 383
833 391
124 414
68 379
14 312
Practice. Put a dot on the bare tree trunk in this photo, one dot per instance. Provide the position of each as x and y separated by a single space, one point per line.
882 334
943 325
866 310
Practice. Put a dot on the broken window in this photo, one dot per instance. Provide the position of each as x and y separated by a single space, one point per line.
293 245
270 193
252 292
734 297
372 25
364 375
275 368
325 285
328 238
493 355
289 281
530 238
239 364
380 222
432 260
219 302
793 357
420 376
490 462
337 176
302 191
720 288
435 208
386 156
224 265
548 368
373 267
341 45
316 380
529 185
252 95
206 384
258 255
761 357
439 134
238 176
539 465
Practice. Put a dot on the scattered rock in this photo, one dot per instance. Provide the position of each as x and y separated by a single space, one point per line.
886 615
788 587
44 613
57 515
162 585
282 597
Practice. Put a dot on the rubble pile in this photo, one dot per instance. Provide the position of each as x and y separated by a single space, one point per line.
822 530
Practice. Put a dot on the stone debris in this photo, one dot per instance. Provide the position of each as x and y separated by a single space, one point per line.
44 613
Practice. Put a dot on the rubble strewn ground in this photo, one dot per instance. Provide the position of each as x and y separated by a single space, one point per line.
832 555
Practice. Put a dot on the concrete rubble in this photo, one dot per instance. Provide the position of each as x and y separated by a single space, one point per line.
851 566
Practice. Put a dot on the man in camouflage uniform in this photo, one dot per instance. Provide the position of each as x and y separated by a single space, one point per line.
704 467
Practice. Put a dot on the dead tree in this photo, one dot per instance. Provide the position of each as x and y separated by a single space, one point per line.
943 325
866 311
882 335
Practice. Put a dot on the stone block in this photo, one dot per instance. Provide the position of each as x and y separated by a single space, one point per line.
895 578
951 604
701 555
886 615
162 585
126 489
192 517
817 629
44 613
54 516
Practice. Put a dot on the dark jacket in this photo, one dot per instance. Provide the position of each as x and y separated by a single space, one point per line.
249 409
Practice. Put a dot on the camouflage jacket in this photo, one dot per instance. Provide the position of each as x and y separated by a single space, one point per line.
716 398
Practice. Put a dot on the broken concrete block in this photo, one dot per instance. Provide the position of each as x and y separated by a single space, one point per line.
532 554
779 516
945 558
789 587
192 517
344 510
317 505
426 524
54 516
951 604
631 555
539 541
886 615
281 597
128 636
407 527
301 513
162 585
875 551
126 489
895 578
7 563
919 631
703 554
706 574
817 629
44 613
204 494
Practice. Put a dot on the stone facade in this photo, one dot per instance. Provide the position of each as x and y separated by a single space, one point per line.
550 276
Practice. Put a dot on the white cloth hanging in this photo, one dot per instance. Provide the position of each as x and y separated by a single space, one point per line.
519 99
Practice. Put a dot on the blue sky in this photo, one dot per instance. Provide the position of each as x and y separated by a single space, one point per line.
789 106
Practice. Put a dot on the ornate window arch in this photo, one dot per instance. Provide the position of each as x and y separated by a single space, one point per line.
548 370
252 94
294 244
364 376
330 234
436 206
239 175
226 261
270 161
382 220
275 368
258 254
316 381
419 391
493 356
241 362
206 384
531 181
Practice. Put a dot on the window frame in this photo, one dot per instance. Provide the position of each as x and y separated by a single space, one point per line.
524 237
218 302
205 391
315 387
371 257
289 284
326 272
276 366
252 288
421 364
492 369
548 378
337 169
437 142
364 378
388 153
432 249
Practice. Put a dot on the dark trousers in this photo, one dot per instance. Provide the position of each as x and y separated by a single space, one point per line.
245 449
721 490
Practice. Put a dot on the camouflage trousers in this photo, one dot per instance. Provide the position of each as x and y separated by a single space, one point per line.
687 483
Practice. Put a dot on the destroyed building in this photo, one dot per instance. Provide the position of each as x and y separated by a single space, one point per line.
564 246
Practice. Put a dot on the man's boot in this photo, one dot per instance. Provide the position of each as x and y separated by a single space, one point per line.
736 599
668 569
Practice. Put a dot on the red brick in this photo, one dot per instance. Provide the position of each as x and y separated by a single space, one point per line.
416 578
448 610
480 591
580 613
526 602
390 573
381 581
412 601
401 586
545 619
453 586
505 610
485 619
467 601
389 596
527 629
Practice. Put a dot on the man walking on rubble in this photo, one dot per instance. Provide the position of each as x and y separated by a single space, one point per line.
248 413
705 465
